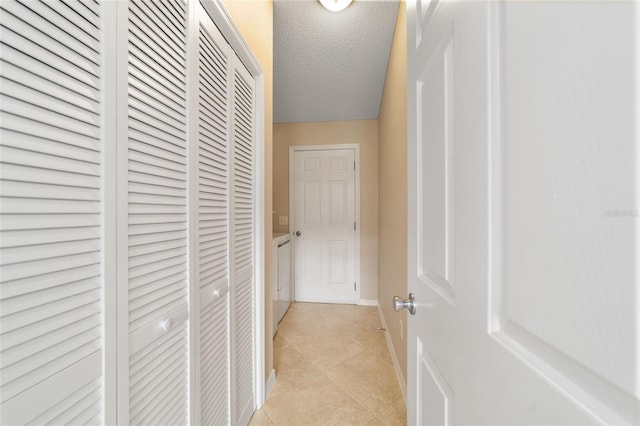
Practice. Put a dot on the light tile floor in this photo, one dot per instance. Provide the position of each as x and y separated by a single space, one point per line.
333 367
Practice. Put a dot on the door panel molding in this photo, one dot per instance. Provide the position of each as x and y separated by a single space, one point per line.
546 282
432 385
436 109
583 375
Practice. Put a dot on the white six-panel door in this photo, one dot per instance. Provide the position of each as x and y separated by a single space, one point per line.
523 212
324 215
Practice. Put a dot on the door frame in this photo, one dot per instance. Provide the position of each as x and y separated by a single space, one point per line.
333 147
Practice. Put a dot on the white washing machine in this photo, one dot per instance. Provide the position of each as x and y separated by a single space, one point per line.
283 290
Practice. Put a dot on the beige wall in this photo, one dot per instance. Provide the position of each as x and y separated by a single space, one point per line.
392 267
254 19
361 132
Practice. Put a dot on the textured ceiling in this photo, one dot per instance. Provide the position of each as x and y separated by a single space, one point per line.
330 66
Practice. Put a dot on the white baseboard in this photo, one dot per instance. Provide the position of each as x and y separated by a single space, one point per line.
394 358
368 302
269 385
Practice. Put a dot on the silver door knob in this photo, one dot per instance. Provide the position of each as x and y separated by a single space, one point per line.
410 303
298 233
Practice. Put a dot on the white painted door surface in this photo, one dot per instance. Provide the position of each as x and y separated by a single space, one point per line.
156 262
52 191
324 215
242 243
524 230
224 246
211 326
128 215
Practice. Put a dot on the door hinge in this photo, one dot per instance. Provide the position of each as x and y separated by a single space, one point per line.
354 226
354 164
354 286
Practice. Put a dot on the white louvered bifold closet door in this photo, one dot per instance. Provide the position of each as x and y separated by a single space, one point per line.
242 240
157 213
51 232
213 211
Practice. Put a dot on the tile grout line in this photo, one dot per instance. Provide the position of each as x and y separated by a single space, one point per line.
360 320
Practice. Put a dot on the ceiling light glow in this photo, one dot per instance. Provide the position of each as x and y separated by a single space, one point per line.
335 5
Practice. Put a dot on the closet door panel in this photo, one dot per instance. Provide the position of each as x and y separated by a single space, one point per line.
157 213
213 211
243 218
51 233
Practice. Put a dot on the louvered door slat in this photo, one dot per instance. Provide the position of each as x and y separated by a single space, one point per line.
37 364
151 383
21 67
212 89
158 376
19 189
52 11
26 166
163 12
42 365
25 54
149 149
25 81
81 9
50 224
13 338
214 167
74 122
139 133
213 210
33 129
61 37
153 89
153 45
34 144
145 114
163 108
72 411
19 32
158 180
154 11
157 203
158 27
46 221
143 71
139 164
176 9
160 190
156 109
214 364
141 250
243 218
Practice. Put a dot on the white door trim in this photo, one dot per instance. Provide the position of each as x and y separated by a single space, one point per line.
356 148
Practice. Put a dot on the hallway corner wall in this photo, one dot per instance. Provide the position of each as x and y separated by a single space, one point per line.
254 19
392 130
